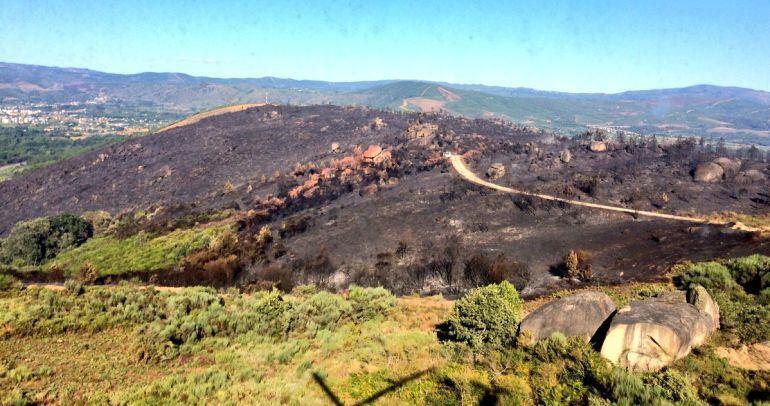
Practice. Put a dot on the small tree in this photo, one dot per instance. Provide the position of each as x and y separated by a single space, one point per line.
35 241
486 316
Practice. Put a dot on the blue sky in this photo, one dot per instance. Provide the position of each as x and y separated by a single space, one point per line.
595 46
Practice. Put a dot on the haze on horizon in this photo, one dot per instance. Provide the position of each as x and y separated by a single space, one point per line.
595 47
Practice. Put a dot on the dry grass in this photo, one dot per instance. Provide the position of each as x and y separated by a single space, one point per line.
211 113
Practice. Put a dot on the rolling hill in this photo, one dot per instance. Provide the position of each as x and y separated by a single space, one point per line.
737 114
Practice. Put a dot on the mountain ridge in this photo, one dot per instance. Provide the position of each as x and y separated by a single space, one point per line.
738 114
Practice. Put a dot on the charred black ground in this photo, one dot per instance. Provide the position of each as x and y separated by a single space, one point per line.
384 208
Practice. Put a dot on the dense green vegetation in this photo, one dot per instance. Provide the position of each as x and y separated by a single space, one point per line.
36 148
38 240
741 287
132 344
486 316
142 252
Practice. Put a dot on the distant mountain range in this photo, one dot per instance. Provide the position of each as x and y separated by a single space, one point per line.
737 114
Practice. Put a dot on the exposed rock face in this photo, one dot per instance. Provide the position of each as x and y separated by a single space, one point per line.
700 298
378 124
598 146
421 130
565 156
581 314
496 170
649 334
372 152
335 147
708 172
730 166
749 176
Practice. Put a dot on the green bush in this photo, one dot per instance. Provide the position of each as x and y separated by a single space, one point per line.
711 275
487 315
266 312
674 386
188 317
738 287
8 282
752 272
370 303
109 255
46 311
36 241
181 389
322 311
629 389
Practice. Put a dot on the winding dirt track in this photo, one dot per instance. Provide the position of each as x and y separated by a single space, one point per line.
462 170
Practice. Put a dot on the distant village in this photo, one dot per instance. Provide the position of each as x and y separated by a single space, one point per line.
77 119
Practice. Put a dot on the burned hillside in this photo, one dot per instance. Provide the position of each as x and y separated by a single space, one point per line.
335 196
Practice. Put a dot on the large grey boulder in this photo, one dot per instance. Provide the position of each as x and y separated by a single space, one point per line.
581 314
708 172
749 176
700 298
730 166
496 170
649 334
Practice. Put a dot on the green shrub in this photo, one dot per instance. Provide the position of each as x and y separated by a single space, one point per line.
711 275
674 386
304 290
45 311
74 287
752 272
322 311
8 282
189 317
109 255
738 288
189 389
35 241
266 312
370 303
487 315
629 389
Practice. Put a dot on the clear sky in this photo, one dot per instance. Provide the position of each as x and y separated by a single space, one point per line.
596 46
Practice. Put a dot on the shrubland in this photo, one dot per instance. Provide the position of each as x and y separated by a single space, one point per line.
142 252
741 287
140 344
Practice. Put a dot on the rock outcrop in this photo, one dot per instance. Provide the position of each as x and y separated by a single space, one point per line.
730 166
565 156
335 147
421 130
708 172
700 298
496 170
372 153
597 146
649 334
581 314
749 176
378 124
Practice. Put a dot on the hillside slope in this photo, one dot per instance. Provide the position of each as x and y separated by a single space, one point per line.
339 195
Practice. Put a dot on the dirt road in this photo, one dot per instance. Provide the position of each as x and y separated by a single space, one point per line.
462 170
